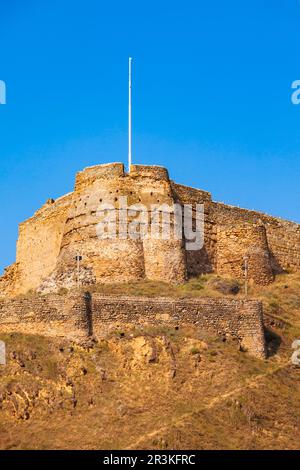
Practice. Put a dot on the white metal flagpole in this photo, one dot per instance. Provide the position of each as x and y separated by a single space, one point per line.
129 117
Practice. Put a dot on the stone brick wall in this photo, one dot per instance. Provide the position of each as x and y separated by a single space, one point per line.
283 237
116 260
199 261
77 316
236 243
39 243
52 315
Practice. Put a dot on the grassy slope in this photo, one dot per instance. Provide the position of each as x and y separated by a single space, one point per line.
156 388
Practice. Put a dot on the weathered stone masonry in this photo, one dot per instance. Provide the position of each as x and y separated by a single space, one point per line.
49 241
78 316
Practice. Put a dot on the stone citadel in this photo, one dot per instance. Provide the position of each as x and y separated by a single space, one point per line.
52 238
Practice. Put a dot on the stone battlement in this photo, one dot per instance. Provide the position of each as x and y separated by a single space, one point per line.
116 170
149 171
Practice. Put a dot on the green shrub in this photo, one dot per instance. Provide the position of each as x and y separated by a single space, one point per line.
194 350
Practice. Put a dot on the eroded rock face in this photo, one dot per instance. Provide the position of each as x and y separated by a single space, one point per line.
60 281
144 350
52 238
225 286
163 388
9 281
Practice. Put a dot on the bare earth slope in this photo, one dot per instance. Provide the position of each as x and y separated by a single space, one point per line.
158 388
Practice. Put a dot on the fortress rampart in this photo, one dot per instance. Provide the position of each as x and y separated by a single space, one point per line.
50 240
79 316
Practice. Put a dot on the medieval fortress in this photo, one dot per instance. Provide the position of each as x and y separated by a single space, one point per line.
53 239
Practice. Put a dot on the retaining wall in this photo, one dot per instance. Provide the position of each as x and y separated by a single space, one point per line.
78 316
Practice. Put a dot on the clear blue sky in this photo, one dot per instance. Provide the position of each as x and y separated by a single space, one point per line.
211 98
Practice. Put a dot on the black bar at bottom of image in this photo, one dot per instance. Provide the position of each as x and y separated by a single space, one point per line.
134 459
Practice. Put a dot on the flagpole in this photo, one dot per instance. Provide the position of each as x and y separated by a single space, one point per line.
129 117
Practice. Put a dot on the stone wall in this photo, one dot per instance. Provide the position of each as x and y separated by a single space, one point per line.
77 316
241 241
116 260
283 237
51 315
199 261
39 243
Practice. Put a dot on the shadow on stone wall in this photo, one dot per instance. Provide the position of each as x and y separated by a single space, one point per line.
89 315
273 341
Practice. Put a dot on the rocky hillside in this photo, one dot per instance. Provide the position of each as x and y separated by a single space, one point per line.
158 388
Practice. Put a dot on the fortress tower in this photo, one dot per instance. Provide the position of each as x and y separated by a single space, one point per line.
51 239
121 259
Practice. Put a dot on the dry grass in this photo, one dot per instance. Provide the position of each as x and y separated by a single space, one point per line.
199 286
156 387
